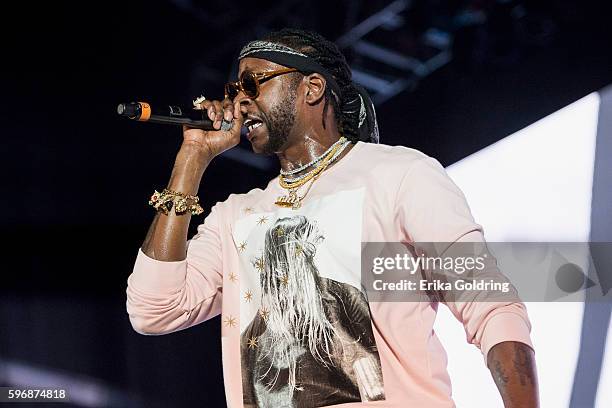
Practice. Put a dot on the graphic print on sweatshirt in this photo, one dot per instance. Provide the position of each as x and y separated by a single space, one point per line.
306 332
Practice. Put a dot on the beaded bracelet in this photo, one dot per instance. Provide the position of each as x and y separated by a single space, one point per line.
182 203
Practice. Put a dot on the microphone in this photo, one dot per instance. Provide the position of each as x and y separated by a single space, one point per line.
169 115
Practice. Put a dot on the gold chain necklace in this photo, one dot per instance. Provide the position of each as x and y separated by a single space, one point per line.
291 199
288 184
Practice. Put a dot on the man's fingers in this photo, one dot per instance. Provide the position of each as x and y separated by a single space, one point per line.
211 111
237 113
218 109
238 118
208 106
228 110
201 105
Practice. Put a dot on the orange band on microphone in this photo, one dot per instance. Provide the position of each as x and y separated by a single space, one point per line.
145 110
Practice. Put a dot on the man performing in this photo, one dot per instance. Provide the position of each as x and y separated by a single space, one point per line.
283 265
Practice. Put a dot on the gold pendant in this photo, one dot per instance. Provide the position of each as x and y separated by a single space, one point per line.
291 200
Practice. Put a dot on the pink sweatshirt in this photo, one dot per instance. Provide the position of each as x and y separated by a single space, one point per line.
281 277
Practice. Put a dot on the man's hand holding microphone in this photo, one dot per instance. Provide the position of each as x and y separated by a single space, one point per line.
167 237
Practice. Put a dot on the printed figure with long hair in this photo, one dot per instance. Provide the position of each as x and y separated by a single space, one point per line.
311 344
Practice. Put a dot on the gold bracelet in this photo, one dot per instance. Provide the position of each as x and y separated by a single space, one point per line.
168 199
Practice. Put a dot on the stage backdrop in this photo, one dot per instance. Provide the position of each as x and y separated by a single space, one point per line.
550 182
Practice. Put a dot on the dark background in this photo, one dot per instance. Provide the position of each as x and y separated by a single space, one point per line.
77 178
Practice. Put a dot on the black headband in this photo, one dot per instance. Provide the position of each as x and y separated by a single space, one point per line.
286 56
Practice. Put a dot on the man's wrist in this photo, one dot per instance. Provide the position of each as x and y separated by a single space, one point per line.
188 169
194 153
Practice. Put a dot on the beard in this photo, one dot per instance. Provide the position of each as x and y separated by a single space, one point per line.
279 122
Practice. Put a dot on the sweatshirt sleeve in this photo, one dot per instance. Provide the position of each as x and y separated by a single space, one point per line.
432 209
163 297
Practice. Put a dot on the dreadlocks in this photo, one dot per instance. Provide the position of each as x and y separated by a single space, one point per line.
327 54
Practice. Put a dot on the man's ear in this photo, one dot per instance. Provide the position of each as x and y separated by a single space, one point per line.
315 88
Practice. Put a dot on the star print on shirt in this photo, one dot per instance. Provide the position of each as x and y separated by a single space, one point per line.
259 264
242 246
230 321
248 296
252 342
262 220
233 277
264 313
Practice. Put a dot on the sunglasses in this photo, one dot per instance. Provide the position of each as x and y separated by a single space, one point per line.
249 82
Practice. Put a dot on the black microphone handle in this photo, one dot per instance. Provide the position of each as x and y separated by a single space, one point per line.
169 115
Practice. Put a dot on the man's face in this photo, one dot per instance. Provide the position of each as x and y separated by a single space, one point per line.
274 107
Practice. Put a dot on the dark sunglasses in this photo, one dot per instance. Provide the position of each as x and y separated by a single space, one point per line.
249 82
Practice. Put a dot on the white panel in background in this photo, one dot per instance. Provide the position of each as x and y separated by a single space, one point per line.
534 185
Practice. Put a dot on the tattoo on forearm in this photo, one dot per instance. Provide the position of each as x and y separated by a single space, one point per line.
512 366
500 375
523 363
